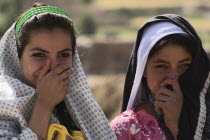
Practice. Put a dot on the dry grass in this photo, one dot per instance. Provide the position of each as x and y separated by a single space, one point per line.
107 91
110 4
200 24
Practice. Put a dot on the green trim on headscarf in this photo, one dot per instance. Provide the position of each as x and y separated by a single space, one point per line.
36 11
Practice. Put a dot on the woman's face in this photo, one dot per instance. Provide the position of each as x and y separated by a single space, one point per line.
169 62
53 45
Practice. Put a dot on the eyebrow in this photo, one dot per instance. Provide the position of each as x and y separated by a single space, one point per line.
186 59
64 50
39 49
181 61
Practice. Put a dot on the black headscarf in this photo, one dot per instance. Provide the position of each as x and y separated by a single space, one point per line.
191 83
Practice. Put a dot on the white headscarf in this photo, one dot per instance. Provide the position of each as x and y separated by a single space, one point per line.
151 35
17 99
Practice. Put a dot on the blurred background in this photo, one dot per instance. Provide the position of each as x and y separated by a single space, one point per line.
106 33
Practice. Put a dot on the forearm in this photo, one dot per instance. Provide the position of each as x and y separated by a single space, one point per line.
39 121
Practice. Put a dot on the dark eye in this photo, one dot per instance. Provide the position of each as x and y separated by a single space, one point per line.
185 65
65 55
161 66
38 55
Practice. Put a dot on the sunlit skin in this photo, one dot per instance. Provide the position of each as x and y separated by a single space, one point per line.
46 63
54 46
164 68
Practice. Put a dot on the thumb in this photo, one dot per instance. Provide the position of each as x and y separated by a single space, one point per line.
44 69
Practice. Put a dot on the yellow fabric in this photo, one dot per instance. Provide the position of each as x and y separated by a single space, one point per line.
59 132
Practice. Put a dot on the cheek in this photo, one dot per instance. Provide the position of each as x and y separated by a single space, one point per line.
64 62
36 66
154 79
71 62
30 67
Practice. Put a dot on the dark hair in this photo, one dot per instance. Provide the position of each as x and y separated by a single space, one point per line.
179 39
44 21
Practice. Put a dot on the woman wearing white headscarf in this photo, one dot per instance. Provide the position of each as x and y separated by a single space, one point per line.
37 84
166 88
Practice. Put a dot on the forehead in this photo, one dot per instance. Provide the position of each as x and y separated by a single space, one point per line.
50 39
171 52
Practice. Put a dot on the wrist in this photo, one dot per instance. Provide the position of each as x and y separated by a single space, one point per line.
44 102
44 106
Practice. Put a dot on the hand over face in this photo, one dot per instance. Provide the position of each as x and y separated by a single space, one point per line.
169 102
52 86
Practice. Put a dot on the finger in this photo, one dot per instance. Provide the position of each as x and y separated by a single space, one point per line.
66 82
44 69
165 91
65 74
60 69
173 82
159 107
162 98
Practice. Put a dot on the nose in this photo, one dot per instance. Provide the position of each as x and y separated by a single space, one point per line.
54 63
173 74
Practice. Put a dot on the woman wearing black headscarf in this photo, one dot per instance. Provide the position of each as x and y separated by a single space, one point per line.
166 88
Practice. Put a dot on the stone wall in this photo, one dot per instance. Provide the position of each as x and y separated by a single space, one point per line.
106 57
